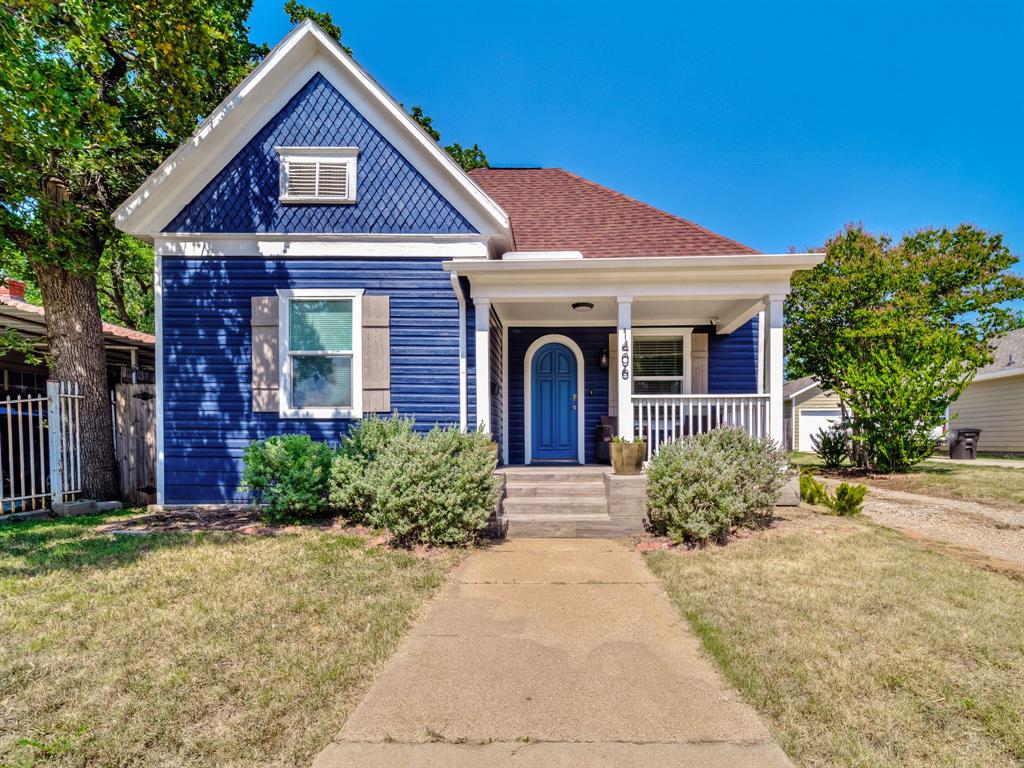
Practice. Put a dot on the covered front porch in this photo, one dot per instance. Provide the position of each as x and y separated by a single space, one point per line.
563 352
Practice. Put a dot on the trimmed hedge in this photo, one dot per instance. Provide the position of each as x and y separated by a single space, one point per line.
352 493
701 487
288 476
437 488
433 488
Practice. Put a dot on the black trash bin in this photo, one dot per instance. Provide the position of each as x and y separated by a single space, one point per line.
963 443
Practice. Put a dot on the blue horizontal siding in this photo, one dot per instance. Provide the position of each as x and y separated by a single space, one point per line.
732 361
595 384
393 195
208 417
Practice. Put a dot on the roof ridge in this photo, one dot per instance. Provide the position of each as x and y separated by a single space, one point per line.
654 208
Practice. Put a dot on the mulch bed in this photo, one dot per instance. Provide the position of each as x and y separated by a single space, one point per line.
239 519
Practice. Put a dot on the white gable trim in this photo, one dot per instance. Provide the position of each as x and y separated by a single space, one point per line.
306 51
316 245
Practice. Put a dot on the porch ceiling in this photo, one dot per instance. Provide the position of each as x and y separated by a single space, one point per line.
646 312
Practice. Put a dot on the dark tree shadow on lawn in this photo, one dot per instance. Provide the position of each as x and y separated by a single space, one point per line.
38 547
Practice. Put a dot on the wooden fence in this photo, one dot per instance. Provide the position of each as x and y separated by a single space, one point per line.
134 410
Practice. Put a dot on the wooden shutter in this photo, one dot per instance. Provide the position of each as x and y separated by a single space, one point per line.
376 354
266 371
699 363
613 379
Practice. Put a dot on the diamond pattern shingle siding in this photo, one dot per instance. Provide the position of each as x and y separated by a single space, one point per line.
393 196
554 210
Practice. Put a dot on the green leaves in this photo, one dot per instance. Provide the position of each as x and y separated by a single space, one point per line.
93 95
898 331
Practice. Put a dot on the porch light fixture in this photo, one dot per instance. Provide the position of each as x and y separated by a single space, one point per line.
604 360
583 306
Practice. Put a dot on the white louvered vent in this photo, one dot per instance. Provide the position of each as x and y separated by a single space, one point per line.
318 174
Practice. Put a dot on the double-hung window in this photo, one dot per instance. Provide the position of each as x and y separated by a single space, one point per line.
320 334
660 364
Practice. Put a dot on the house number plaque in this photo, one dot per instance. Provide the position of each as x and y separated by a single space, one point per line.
625 360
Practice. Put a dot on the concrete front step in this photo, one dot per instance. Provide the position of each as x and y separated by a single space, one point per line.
570 526
565 505
555 475
517 488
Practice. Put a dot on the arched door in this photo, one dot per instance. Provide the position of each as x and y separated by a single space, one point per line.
554 404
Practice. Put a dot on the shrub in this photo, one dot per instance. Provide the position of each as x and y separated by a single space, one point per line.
848 501
832 445
812 491
288 476
351 492
701 487
437 488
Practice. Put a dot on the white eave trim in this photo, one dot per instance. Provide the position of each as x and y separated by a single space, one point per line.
784 261
989 376
262 94
541 256
322 245
801 391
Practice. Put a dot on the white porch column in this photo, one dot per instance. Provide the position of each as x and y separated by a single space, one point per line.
482 336
623 359
774 342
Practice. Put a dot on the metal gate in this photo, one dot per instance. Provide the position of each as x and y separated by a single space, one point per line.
40 449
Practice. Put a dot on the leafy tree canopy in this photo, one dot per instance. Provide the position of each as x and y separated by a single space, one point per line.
93 95
898 330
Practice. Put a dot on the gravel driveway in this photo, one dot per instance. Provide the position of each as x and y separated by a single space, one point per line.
997 532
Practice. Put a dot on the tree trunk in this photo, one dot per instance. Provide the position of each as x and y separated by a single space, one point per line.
75 335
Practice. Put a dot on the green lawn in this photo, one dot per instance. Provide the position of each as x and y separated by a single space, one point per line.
968 482
192 649
861 647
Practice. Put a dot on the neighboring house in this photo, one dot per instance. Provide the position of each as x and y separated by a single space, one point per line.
130 353
320 259
994 401
807 409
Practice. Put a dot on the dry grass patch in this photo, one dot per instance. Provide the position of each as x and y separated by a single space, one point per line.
192 649
861 647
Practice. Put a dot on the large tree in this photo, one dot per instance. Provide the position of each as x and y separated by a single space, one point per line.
93 95
898 330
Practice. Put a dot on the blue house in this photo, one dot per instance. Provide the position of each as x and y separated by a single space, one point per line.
320 258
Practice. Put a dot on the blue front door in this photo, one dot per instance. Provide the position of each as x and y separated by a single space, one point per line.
554 403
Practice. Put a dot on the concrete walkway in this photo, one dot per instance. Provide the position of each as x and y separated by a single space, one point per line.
548 652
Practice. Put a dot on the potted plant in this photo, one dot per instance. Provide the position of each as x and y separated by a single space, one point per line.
628 455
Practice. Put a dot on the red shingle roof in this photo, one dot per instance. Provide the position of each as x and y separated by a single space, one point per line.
109 329
554 210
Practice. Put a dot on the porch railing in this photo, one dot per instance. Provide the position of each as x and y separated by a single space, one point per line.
663 418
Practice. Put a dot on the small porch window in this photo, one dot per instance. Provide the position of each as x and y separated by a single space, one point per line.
320 355
659 365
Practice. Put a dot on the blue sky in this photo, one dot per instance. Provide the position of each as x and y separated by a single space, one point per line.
773 123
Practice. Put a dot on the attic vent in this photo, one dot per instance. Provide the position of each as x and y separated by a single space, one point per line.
318 174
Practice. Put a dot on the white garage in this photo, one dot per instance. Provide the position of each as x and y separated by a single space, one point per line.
809 421
806 409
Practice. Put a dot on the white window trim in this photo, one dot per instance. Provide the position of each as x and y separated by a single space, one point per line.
679 333
347 156
285 360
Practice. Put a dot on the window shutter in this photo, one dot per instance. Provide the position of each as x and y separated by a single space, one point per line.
266 372
376 354
613 379
699 363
